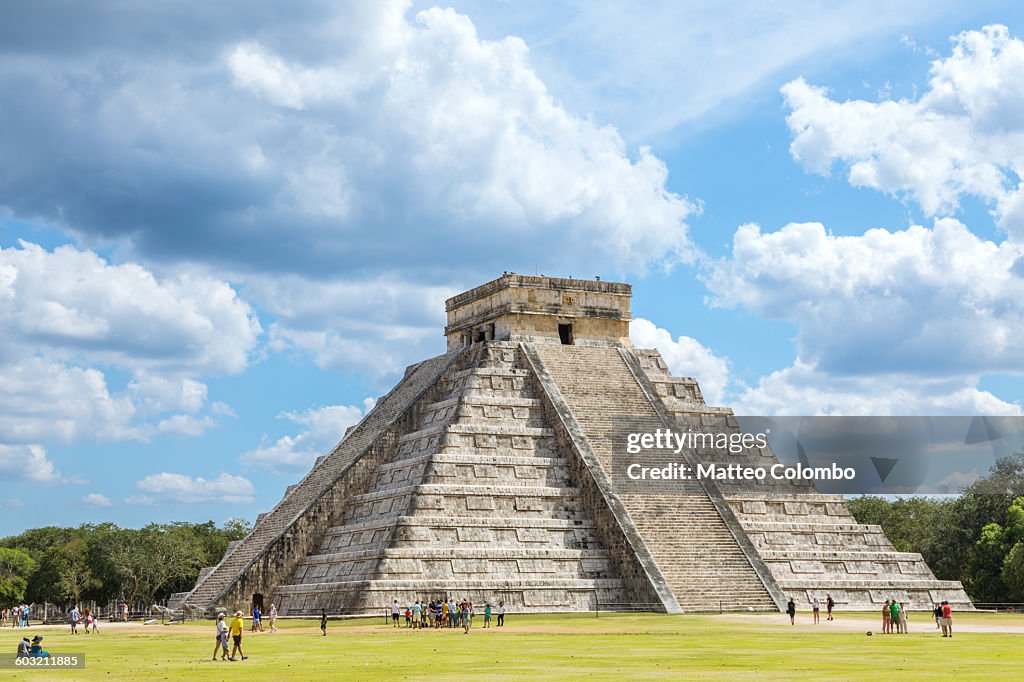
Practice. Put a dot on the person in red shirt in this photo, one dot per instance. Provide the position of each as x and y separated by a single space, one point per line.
947 619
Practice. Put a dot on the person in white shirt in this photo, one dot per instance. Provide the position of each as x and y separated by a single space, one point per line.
222 639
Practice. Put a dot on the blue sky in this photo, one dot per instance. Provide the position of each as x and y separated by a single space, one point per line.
226 229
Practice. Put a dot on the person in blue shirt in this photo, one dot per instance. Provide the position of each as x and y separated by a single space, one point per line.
36 650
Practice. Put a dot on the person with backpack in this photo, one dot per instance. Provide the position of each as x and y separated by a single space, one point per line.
829 604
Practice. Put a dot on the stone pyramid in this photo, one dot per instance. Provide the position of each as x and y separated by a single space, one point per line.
487 473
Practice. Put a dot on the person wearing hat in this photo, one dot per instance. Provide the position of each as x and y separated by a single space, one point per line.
222 638
36 650
236 636
23 648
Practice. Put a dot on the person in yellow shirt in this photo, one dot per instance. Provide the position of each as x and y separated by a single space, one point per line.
236 635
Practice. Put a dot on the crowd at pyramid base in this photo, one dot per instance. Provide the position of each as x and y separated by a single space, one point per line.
486 474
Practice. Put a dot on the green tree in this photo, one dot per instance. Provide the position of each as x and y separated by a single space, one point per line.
16 567
1013 573
74 576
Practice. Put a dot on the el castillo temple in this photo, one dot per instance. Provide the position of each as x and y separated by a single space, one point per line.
486 473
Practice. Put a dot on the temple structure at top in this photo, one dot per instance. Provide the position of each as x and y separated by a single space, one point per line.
540 309
489 473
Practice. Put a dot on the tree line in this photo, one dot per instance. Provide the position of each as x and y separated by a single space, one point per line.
976 537
103 562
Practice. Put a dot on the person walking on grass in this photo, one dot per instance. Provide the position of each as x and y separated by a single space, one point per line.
272 615
816 609
947 619
791 610
222 639
487 615
501 614
937 613
323 622
235 629
74 616
830 604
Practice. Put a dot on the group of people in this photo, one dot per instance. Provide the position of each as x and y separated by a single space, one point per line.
33 649
440 613
830 604
84 618
944 618
257 619
16 615
229 633
894 617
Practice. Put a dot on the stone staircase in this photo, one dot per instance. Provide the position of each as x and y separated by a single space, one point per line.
691 543
273 527
810 542
473 501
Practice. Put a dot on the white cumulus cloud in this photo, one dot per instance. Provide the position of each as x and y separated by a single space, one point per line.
963 136
27 463
96 500
179 488
70 317
324 428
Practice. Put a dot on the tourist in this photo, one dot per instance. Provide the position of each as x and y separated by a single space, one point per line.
236 627
394 613
416 613
829 604
3 617
93 622
36 650
903 618
487 615
467 616
501 613
947 619
74 616
24 648
24 615
87 620
816 609
424 614
124 611
937 613
222 639
886 618
272 614
444 614
894 616
323 622
791 610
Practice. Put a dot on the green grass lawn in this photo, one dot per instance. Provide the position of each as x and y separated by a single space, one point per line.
612 647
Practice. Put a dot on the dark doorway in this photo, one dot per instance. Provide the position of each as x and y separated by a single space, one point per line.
257 601
565 334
